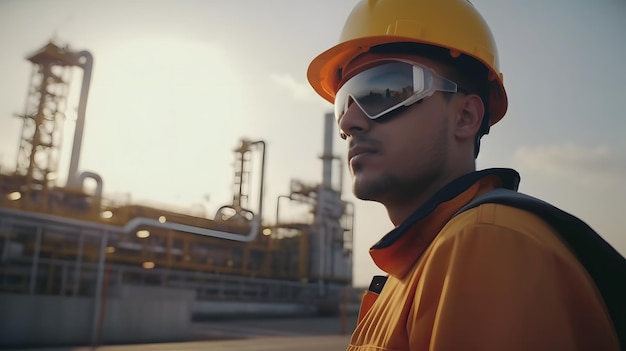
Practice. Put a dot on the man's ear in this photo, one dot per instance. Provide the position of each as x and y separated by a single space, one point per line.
471 111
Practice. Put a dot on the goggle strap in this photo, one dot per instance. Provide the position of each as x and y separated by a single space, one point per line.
443 84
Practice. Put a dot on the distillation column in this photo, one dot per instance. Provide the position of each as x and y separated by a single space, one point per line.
46 103
333 251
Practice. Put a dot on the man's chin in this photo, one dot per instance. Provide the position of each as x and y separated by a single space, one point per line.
363 190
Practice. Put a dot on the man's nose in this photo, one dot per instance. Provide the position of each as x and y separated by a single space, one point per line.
354 120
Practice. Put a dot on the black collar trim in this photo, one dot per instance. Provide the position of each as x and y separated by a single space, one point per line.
510 179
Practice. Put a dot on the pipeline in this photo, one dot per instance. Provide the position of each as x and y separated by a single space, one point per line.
139 222
85 60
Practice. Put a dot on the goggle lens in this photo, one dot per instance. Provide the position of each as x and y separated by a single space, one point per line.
388 86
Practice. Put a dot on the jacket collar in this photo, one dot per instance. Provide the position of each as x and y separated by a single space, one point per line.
399 249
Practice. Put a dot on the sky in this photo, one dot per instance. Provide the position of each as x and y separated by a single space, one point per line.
177 84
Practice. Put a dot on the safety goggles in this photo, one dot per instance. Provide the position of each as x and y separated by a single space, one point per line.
389 86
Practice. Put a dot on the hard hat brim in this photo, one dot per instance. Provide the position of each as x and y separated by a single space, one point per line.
324 71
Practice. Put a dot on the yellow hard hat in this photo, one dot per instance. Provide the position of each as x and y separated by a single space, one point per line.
451 24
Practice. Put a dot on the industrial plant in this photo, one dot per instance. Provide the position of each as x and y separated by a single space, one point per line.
77 268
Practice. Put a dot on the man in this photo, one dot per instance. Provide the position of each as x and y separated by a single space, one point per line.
415 84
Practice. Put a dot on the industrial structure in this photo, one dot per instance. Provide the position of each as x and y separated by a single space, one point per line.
76 268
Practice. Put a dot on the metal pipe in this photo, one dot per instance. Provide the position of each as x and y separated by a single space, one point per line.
341 174
327 156
278 206
7 241
262 185
99 283
80 180
33 268
79 261
86 61
135 223
322 257
63 279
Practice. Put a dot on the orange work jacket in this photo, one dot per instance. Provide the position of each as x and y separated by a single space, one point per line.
492 278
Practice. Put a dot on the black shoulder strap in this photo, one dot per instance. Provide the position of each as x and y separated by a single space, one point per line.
605 265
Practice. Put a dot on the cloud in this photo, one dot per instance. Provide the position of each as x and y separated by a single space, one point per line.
299 91
572 160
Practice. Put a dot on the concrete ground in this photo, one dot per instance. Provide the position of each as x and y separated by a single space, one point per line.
263 327
300 343
252 334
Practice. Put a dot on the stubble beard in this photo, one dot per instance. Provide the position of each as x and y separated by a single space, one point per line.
388 188
420 180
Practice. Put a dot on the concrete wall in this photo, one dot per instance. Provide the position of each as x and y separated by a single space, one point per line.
226 309
132 314
44 320
147 314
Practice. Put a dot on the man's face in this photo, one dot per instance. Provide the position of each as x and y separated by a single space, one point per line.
399 157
